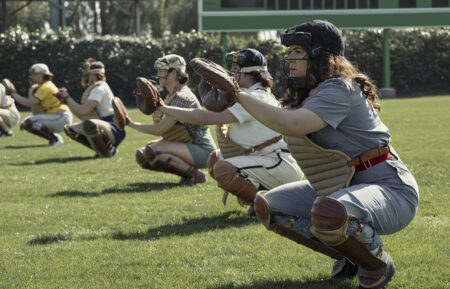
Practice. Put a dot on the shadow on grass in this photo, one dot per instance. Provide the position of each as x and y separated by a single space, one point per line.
48 239
191 226
53 160
25 147
132 188
291 284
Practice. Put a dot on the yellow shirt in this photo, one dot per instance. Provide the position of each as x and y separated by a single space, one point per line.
48 101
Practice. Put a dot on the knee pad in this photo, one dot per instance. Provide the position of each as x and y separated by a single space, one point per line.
228 178
262 209
27 124
149 153
225 173
70 132
329 221
212 160
141 160
90 127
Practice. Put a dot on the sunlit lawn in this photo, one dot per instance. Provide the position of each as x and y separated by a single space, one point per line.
71 221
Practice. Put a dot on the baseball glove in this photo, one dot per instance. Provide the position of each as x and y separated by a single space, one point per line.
120 113
217 77
212 98
9 87
148 98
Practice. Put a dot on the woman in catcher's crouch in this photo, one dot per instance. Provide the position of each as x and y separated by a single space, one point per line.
9 115
54 114
183 148
358 187
97 131
251 156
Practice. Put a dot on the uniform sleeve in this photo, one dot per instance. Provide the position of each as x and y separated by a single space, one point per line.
331 102
239 112
43 91
98 93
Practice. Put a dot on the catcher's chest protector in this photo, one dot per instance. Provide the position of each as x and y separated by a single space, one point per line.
326 170
178 132
93 114
228 148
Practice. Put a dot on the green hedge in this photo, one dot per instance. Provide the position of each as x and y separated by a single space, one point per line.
420 58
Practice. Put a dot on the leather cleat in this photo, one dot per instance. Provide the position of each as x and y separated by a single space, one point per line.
344 269
376 279
197 178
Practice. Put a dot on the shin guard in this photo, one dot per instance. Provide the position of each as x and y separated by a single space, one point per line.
96 138
228 178
70 132
330 221
264 213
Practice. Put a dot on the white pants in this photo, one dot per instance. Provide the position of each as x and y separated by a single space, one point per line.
54 122
269 170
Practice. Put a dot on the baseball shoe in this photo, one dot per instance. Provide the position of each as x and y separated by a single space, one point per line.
376 279
59 141
197 178
344 269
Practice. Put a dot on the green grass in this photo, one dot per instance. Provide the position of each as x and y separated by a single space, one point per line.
70 221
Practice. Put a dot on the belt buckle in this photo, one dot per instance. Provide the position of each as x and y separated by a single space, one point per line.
367 166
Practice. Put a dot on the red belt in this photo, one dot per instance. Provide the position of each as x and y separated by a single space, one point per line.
370 163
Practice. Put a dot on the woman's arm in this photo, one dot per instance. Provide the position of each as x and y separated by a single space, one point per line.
156 129
81 110
287 122
198 116
24 100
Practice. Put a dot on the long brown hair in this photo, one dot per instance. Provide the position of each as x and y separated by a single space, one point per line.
328 66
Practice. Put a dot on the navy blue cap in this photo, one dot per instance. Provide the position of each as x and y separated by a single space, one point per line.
317 36
249 60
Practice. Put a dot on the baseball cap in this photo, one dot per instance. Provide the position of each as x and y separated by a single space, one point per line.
317 36
171 61
40 68
249 60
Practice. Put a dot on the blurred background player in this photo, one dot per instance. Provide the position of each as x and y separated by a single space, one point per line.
9 115
97 131
55 114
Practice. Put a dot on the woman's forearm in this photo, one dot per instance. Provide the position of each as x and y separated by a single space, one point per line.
189 115
146 128
284 121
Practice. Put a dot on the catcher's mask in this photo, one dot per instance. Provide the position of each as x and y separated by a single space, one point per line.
172 61
249 60
316 37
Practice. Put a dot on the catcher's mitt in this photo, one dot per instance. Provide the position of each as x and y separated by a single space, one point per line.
148 98
217 76
120 113
9 87
212 98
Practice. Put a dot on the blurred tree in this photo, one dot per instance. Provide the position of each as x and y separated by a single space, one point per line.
113 17
29 14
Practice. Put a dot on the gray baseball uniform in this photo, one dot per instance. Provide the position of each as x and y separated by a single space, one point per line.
384 198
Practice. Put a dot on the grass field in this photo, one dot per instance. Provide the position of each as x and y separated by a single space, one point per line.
70 221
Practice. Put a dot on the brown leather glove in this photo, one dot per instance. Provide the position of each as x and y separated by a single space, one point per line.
148 98
217 77
9 86
212 98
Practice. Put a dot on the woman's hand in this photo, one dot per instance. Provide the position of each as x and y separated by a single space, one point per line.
157 116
